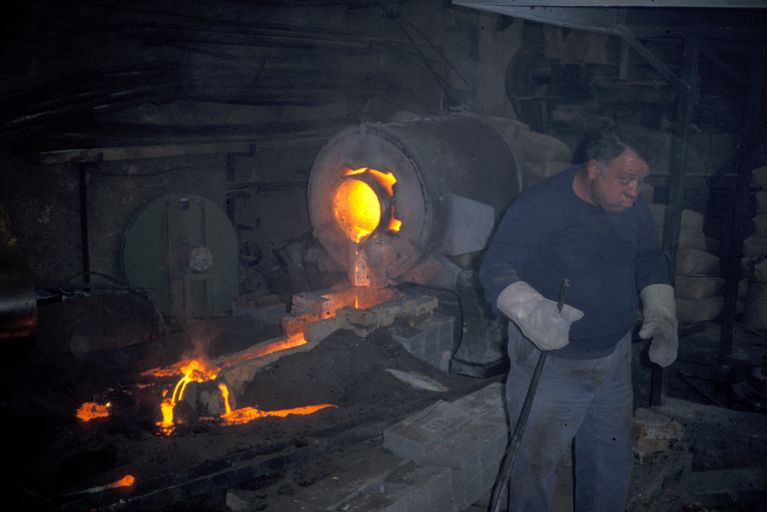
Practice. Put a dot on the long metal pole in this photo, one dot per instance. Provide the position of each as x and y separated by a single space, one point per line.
504 474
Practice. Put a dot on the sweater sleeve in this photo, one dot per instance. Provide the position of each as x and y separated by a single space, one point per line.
511 247
651 262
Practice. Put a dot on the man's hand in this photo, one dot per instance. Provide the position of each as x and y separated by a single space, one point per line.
537 317
660 323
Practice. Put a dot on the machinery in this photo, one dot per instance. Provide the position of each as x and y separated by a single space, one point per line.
183 249
411 202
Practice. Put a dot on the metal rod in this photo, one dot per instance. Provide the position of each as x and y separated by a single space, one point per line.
84 243
519 428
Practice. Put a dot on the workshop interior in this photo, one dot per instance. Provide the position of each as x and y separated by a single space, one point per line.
241 241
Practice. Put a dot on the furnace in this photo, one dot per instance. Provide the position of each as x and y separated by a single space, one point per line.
400 202
415 202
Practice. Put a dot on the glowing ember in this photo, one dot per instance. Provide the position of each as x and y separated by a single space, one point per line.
91 410
394 223
126 481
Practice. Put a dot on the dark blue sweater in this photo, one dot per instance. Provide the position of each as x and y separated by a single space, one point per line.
548 234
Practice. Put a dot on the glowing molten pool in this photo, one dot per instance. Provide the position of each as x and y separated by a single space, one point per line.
357 207
90 411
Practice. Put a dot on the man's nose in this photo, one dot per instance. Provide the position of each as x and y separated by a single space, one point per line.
632 190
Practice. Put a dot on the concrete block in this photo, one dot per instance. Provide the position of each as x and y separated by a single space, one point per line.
364 475
486 403
409 488
467 453
411 339
490 473
431 341
415 435
267 308
321 329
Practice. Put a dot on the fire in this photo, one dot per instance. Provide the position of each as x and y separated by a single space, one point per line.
91 410
357 207
248 414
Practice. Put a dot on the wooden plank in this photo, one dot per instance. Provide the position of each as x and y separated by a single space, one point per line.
110 154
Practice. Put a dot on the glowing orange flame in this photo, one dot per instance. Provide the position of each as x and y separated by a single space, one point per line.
91 410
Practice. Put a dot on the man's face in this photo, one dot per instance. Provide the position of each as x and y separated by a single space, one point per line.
615 186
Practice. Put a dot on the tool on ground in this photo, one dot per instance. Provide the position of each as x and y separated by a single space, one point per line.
501 482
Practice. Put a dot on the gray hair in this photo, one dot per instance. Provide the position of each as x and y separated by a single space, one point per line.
615 139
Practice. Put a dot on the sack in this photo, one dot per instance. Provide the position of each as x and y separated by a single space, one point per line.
755 311
695 261
544 169
697 287
700 310
760 224
539 147
755 246
759 177
761 202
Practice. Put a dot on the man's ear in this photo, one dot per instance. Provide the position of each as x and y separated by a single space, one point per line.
592 168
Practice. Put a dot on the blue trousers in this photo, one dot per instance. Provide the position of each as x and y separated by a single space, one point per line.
589 400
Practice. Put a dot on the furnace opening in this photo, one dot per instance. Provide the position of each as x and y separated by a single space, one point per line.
362 203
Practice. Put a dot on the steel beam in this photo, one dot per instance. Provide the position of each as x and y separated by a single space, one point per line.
716 4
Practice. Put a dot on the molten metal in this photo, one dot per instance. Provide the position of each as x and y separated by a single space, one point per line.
193 371
294 340
91 410
248 414
196 370
357 207
126 481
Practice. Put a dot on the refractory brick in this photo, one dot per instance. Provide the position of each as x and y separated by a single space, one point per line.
412 437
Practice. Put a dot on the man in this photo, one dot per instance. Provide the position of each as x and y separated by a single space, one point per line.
588 225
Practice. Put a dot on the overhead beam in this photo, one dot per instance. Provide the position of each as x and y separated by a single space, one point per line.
674 18
703 4
111 154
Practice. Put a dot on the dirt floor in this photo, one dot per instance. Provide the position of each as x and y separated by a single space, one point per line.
55 454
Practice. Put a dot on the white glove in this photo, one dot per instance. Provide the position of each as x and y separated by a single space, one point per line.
537 317
660 323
